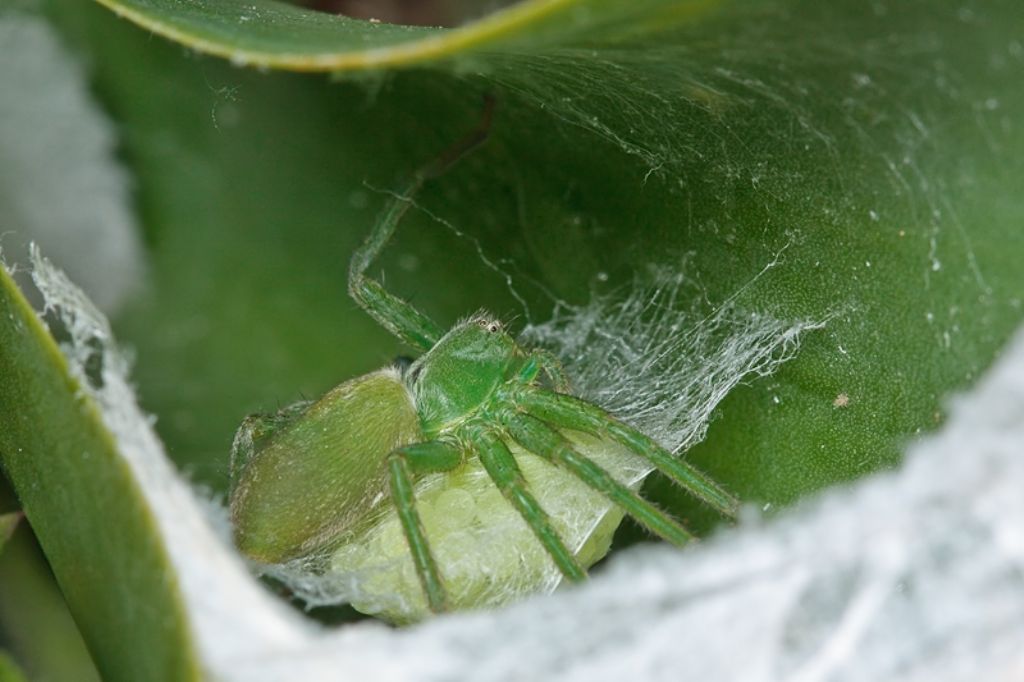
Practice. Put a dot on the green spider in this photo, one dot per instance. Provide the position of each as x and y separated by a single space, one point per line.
425 484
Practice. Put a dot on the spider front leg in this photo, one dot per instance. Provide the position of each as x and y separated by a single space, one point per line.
398 316
542 362
568 412
540 439
403 464
254 430
502 468
552 367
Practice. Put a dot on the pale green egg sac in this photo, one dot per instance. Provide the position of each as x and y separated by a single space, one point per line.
485 550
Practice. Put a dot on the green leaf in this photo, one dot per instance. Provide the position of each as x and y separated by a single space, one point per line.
803 160
269 33
85 507
37 629
9 670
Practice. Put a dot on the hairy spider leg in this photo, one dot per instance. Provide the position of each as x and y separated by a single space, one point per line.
391 312
567 412
254 428
435 456
552 367
506 474
540 361
537 437
403 464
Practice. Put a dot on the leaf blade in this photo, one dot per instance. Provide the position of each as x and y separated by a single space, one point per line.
273 34
85 507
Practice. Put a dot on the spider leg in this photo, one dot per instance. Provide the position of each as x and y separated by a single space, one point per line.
403 463
537 437
397 316
569 412
505 472
552 366
541 361
252 430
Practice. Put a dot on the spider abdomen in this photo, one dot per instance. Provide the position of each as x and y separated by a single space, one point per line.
317 476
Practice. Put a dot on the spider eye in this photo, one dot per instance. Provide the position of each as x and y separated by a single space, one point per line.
492 326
